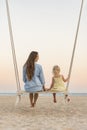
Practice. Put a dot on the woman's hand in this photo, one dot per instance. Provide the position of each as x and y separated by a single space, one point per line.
48 89
44 88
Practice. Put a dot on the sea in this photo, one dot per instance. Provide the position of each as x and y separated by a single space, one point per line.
43 94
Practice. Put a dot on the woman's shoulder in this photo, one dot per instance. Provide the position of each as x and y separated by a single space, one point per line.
38 66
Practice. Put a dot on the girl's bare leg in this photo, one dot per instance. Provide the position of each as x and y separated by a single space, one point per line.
31 98
54 97
67 98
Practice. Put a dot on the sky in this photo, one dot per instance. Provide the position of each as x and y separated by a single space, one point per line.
49 27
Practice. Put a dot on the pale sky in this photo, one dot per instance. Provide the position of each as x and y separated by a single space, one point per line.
49 27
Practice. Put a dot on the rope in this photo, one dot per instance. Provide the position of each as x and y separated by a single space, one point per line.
13 49
75 42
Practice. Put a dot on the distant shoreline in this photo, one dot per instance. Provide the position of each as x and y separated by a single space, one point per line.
41 94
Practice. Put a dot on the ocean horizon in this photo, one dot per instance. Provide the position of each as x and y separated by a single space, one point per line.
43 94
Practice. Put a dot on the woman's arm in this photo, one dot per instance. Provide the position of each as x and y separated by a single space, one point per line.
24 75
42 79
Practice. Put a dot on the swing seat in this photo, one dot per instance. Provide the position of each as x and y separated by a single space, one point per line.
47 91
22 92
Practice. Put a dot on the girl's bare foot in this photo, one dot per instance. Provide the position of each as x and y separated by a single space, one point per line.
68 99
66 96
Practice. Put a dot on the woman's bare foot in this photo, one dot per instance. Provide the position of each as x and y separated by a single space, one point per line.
55 101
32 105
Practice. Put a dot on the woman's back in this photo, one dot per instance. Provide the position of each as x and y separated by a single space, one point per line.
37 81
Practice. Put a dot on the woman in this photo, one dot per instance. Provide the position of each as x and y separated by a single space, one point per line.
33 77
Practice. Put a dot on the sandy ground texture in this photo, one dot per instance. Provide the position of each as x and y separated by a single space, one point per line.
45 116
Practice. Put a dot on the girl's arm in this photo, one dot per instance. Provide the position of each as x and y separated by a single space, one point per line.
65 79
52 83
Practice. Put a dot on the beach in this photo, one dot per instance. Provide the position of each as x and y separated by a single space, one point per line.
46 115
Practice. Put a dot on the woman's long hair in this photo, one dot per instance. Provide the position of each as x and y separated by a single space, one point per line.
30 64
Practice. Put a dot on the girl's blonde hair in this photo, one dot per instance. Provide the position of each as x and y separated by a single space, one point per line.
56 67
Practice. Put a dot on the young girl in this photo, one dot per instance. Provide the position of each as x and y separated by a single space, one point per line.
58 83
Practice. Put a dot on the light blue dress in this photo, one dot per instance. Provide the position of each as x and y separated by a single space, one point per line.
37 82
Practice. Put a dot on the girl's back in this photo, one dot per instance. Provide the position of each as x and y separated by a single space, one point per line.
58 84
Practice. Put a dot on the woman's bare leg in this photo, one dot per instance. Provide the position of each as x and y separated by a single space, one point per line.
31 98
35 98
54 97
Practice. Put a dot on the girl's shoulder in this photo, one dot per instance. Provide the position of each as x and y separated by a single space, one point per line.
61 75
58 77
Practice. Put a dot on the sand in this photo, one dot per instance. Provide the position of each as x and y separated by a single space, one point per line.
45 116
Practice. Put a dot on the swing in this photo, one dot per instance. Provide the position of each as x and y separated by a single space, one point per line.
19 92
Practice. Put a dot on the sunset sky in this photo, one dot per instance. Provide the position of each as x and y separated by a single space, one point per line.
49 27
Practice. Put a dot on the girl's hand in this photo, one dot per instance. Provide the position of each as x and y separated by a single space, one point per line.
48 89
